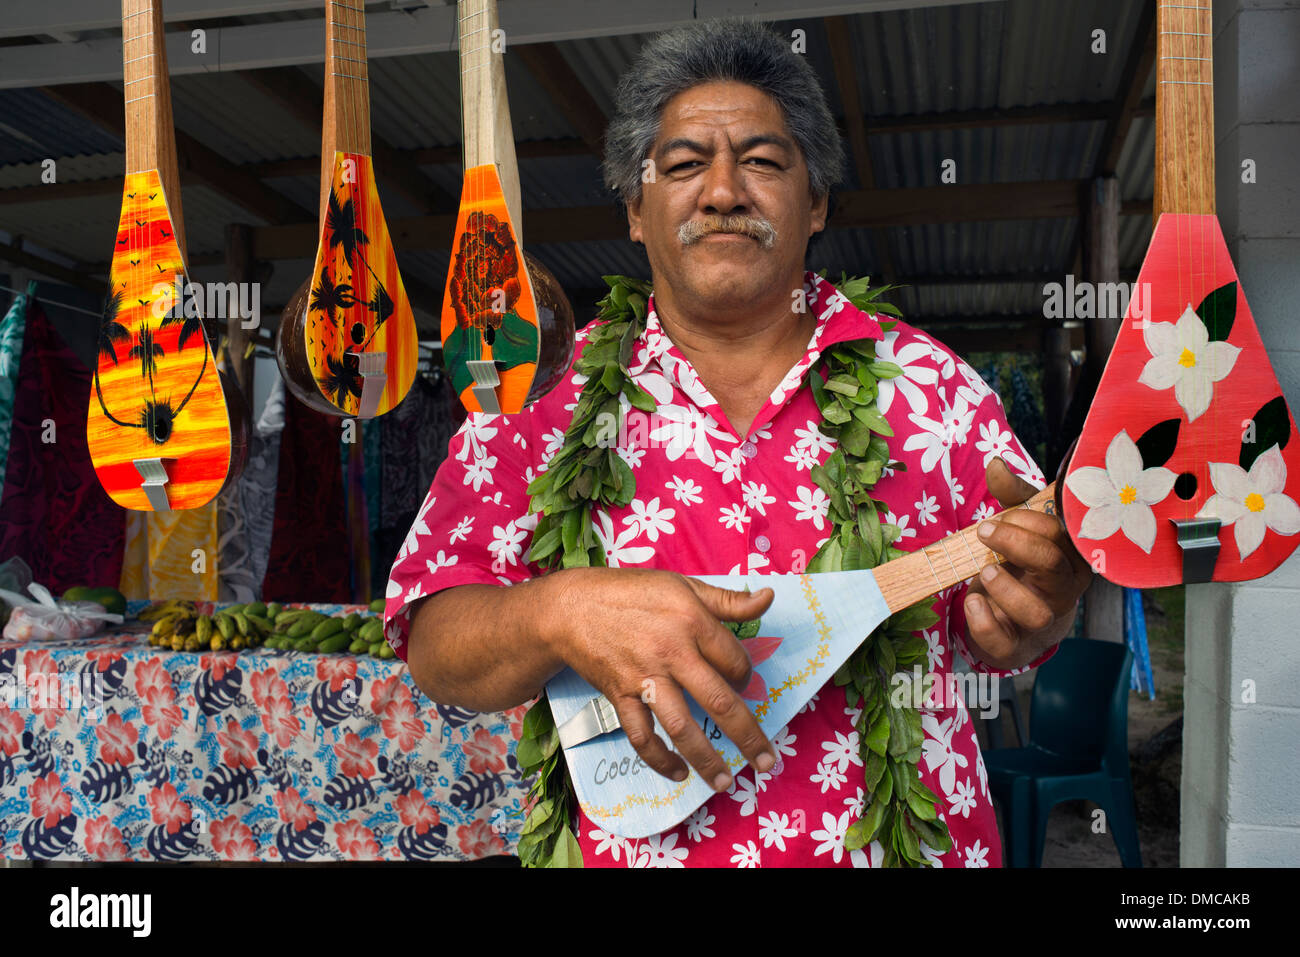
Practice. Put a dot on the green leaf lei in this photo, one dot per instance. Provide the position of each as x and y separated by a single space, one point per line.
587 472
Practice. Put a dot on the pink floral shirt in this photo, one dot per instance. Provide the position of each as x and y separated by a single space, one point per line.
711 501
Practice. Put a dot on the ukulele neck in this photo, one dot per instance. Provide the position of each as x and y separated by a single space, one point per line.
485 109
346 124
150 142
950 561
1184 108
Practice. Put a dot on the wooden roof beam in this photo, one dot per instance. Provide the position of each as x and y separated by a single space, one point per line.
846 79
102 104
302 99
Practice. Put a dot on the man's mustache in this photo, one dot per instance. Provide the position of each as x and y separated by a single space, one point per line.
755 227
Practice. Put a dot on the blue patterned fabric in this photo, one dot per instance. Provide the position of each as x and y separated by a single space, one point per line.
12 328
135 753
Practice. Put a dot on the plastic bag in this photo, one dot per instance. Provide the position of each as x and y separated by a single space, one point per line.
14 576
46 619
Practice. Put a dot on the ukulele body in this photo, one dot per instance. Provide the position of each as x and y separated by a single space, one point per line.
155 373
351 323
1189 383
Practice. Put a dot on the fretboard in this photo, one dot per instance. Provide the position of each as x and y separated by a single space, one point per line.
150 140
947 562
485 108
1184 107
346 125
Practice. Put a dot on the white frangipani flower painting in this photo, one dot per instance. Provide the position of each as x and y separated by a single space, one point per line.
1119 497
1252 501
1183 358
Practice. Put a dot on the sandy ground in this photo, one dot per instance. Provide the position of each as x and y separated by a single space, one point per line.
1071 841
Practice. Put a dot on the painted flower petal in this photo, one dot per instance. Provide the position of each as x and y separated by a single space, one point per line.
761 648
1123 461
1092 487
1139 525
1217 359
1193 392
1161 338
1249 532
1192 333
1154 484
1231 480
1268 473
1161 372
1226 510
1281 513
1101 522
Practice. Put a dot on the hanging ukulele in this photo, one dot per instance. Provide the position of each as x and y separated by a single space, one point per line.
507 331
1187 469
347 342
159 424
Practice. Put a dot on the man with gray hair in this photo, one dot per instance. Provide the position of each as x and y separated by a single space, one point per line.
724 153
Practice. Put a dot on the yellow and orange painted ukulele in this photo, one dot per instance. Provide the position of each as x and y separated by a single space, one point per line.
347 342
159 423
507 327
1188 466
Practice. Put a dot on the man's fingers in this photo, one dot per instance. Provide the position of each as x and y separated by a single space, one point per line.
727 605
721 649
729 713
1029 544
1007 487
635 719
995 641
1025 607
670 708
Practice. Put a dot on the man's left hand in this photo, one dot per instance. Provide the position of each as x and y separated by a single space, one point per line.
1018 610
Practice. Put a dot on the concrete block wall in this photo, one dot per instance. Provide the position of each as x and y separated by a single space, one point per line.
1241 758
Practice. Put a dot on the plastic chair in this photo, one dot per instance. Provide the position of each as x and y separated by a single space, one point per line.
1078 749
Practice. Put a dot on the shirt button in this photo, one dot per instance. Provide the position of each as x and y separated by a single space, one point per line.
762 543
749 450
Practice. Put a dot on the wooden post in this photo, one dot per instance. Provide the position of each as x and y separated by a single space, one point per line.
1104 601
239 269
1056 391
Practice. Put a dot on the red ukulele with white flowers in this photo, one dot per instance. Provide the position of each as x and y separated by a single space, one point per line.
1187 469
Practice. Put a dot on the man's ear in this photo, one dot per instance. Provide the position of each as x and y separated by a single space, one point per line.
634 221
820 208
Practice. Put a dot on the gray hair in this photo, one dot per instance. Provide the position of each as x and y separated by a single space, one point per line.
738 50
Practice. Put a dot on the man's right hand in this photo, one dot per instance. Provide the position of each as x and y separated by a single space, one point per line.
642 637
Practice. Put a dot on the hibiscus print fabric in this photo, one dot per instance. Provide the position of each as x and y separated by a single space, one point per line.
709 501
250 756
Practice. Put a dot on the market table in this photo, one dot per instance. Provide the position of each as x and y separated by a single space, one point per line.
111 749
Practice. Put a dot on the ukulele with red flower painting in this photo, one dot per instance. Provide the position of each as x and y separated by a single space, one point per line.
347 342
159 424
507 328
1187 469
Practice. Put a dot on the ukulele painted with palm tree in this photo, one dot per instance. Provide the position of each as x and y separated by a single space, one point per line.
158 424
1188 466
507 327
347 342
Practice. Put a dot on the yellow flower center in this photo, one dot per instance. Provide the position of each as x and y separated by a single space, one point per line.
1188 358
1128 495
1255 502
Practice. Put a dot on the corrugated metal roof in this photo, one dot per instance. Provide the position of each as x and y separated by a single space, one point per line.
962 57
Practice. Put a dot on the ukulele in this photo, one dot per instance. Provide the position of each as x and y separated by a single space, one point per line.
507 327
1187 469
815 622
347 342
163 423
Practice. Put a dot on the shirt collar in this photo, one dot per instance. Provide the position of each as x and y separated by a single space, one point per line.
838 320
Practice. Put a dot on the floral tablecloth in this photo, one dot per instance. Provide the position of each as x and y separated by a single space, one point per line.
114 750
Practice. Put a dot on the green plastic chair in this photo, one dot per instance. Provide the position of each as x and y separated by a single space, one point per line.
1078 749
